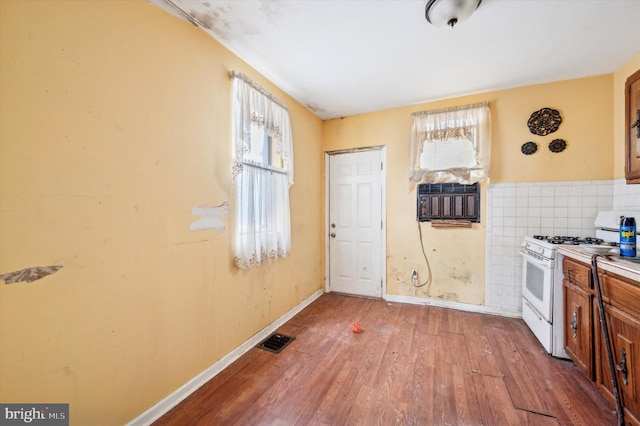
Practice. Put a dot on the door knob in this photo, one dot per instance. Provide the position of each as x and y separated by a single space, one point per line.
333 235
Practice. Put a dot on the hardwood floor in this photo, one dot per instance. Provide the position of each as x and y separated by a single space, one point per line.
411 365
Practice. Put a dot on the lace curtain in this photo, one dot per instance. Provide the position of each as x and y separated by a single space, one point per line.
450 145
261 181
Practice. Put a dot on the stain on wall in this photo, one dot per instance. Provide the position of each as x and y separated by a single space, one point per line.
315 108
218 22
29 274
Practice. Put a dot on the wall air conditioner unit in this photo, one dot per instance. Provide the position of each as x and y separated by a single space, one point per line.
448 201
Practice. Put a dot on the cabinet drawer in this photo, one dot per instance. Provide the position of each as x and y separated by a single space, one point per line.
620 293
577 273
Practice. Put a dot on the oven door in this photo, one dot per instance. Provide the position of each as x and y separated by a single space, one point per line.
537 285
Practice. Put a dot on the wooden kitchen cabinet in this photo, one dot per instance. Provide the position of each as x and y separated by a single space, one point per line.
632 127
577 273
622 311
583 337
578 315
578 327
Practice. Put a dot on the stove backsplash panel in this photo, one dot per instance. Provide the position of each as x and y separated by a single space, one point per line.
516 210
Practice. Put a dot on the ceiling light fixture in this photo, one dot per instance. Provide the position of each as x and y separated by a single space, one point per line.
449 12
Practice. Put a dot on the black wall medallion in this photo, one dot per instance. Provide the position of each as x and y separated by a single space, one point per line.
544 121
529 148
557 145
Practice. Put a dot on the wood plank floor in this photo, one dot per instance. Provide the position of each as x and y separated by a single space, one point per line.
411 365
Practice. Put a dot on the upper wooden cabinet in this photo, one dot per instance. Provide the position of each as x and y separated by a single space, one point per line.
632 127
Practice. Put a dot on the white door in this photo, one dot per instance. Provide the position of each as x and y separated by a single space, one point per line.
355 224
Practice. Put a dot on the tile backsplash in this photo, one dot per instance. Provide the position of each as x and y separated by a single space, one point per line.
625 197
541 208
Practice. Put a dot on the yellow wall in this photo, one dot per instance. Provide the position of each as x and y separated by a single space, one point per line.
586 108
457 256
114 123
619 135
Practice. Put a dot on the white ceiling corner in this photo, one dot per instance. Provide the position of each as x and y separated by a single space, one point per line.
346 57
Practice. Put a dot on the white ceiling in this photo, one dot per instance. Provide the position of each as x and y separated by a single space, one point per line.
345 57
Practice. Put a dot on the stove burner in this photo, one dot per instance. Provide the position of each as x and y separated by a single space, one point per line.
566 238
562 240
591 240
573 241
566 242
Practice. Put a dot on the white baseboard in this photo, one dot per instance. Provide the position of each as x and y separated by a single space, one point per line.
170 401
452 305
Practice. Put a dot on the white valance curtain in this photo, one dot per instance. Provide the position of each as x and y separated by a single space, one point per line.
450 145
262 219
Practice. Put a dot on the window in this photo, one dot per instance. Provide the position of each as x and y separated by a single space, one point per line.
262 173
262 150
450 145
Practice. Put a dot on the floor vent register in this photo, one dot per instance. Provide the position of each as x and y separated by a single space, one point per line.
275 343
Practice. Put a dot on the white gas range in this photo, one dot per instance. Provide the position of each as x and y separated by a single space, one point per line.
542 300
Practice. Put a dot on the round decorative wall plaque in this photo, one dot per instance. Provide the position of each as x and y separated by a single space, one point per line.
557 145
529 148
544 121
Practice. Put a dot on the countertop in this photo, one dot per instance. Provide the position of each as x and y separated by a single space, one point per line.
624 266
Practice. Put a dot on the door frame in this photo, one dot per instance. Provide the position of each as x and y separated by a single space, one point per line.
383 214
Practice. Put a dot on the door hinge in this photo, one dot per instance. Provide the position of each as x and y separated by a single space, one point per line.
381 165
381 225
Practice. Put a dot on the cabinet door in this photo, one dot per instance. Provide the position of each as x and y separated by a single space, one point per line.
632 130
624 332
578 327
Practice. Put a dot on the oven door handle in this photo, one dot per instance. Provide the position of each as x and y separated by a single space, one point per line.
543 263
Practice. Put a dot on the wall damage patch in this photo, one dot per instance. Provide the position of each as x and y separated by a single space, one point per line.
210 217
29 274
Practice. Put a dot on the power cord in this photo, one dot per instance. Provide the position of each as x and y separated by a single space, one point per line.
425 259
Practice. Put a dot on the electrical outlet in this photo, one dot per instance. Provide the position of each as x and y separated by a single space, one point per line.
414 274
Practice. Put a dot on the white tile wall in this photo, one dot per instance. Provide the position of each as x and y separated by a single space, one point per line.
625 197
546 208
